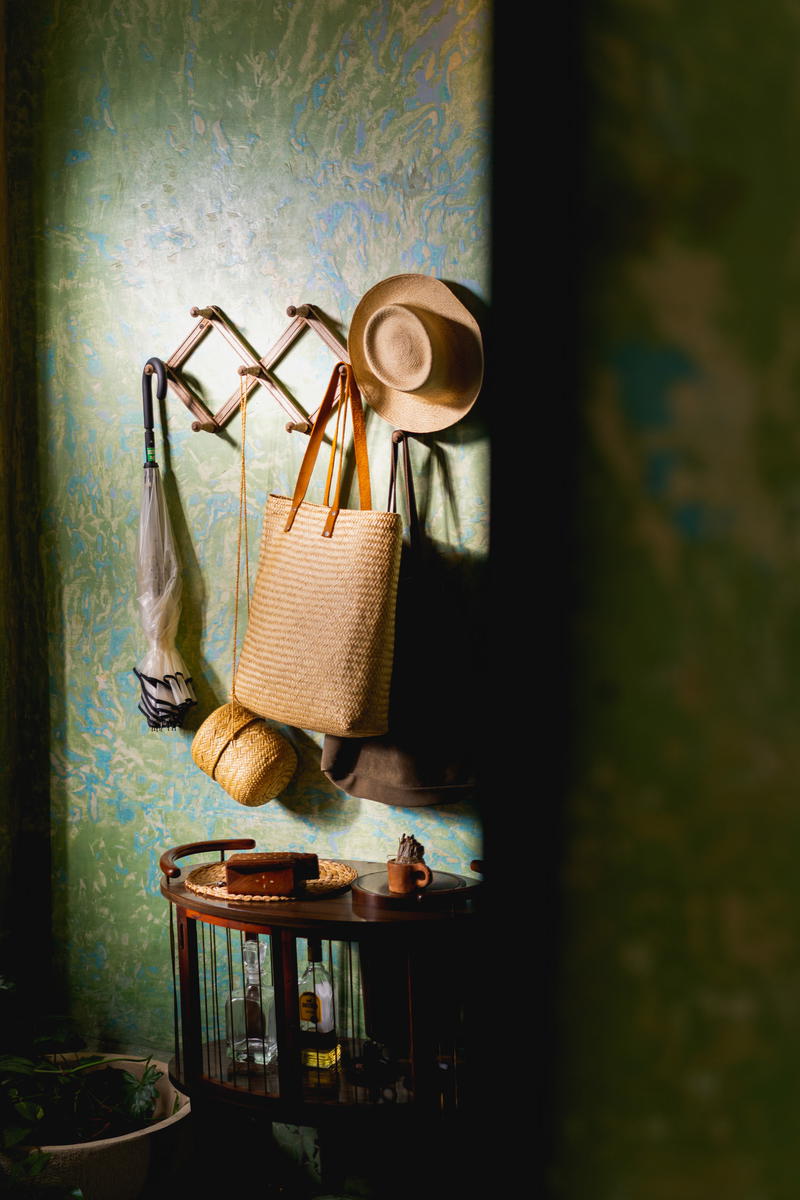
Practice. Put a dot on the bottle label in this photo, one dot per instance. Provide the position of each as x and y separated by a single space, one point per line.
310 1008
322 1059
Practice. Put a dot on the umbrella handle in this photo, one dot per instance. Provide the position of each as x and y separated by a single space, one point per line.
160 371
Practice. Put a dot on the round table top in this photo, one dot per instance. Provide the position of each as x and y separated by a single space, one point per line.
364 903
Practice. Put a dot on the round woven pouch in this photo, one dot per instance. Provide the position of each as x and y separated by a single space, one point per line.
243 754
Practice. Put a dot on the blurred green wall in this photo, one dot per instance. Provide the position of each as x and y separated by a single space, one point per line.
251 156
678 996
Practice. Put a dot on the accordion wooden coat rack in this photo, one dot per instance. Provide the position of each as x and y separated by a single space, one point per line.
256 370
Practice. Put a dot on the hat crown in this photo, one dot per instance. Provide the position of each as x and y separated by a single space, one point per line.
398 349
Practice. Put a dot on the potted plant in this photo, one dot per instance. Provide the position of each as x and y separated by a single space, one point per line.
77 1124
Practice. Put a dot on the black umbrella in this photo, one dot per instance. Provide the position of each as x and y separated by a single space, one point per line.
166 685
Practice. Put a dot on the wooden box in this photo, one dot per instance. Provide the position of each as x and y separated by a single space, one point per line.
273 873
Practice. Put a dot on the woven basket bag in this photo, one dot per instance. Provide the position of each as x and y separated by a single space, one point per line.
319 645
252 762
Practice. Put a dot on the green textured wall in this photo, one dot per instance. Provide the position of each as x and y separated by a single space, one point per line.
679 983
251 156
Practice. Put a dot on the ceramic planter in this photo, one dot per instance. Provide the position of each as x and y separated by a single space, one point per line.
121 1168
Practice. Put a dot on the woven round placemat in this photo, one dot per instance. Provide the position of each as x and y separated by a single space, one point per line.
209 880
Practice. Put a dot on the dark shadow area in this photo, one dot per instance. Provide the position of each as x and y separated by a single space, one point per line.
25 678
430 754
365 1160
473 425
531 404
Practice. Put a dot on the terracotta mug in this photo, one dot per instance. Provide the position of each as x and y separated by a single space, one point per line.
405 878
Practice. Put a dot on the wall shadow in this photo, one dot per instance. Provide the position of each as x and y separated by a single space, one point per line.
26 714
534 343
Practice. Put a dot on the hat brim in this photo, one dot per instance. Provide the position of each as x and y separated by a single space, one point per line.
433 408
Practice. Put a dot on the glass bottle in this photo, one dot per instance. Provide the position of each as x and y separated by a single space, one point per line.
319 1043
250 1012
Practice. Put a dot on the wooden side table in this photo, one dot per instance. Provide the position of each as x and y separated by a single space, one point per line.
401 972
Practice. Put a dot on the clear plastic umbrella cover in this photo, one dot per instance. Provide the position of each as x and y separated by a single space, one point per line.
166 685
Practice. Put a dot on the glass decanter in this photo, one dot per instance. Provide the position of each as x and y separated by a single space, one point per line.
250 1012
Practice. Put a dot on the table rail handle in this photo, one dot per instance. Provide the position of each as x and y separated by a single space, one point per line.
168 864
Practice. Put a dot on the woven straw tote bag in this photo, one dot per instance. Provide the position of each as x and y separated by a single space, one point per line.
236 747
319 644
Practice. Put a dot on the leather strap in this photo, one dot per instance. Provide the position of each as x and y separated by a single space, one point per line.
342 380
242 537
400 438
339 431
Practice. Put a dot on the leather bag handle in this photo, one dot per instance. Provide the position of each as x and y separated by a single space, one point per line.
342 377
398 437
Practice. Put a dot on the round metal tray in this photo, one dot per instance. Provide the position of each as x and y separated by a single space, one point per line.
371 892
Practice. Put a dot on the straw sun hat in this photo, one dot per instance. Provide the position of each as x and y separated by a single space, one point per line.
416 353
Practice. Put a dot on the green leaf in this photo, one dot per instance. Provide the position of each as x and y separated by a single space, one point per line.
141 1094
35 1162
12 1135
12 1064
29 1110
87 1060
